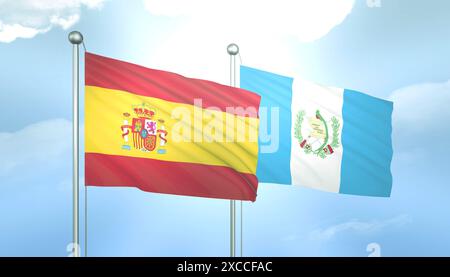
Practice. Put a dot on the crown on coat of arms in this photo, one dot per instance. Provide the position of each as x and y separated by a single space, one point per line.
144 111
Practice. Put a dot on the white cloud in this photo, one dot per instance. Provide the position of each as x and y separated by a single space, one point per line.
93 4
307 20
262 29
64 23
421 117
421 103
9 32
27 18
40 142
359 226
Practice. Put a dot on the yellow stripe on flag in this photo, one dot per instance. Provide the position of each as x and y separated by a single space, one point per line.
195 135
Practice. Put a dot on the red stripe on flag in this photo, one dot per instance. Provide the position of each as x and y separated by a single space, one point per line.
114 74
169 177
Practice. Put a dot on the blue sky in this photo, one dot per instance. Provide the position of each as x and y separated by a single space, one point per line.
398 51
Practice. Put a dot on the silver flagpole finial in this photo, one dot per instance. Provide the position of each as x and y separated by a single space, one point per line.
75 37
233 49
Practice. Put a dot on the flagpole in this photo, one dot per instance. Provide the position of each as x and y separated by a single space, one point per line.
75 38
233 50
242 223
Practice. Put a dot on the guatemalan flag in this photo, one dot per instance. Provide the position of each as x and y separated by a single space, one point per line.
330 139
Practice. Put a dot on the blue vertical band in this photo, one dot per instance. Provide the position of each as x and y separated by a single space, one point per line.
367 145
276 93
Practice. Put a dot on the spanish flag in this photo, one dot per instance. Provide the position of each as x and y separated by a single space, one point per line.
161 132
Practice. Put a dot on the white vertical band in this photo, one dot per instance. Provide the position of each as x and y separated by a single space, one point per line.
309 169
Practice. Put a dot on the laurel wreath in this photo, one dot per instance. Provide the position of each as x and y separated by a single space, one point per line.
335 125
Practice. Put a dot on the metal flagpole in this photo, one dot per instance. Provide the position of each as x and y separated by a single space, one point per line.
85 203
85 221
75 38
242 222
233 50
